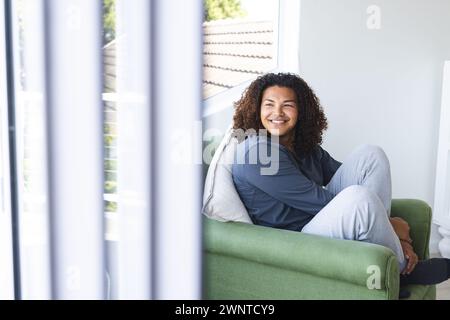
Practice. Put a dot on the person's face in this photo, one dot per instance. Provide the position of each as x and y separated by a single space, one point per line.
279 111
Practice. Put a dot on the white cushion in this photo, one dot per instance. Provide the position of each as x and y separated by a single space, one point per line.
220 198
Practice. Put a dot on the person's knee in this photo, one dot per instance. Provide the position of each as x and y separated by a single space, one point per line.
364 200
372 150
357 193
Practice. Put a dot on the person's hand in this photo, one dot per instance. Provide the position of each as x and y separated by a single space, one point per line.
401 228
410 256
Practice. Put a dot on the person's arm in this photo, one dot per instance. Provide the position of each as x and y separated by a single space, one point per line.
401 228
289 185
329 166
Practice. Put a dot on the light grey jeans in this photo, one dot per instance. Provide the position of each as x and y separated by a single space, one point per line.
361 207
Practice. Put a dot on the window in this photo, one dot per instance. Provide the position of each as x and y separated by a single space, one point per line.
261 38
126 67
240 48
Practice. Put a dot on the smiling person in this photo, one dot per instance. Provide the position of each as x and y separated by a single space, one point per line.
311 192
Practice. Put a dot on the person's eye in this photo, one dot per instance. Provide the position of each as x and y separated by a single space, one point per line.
289 105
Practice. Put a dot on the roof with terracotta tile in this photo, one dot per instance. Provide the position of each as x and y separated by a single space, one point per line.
234 51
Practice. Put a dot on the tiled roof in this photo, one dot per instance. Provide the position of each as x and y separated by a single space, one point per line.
234 51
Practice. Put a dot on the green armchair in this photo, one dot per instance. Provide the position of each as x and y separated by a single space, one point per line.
244 261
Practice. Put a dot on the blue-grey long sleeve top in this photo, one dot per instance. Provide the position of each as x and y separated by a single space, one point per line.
290 198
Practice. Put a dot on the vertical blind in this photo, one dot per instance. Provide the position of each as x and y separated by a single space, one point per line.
133 58
54 87
28 108
74 141
6 252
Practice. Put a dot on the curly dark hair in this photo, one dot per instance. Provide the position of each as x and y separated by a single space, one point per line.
311 119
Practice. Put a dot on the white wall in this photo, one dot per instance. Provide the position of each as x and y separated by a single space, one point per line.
380 86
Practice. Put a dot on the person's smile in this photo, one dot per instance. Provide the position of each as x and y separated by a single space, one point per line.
279 122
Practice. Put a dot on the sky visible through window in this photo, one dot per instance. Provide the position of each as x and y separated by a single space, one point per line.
259 9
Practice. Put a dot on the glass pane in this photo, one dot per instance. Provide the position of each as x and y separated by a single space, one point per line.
110 144
240 42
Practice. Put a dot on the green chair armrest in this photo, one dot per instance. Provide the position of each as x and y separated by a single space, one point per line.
418 215
342 260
